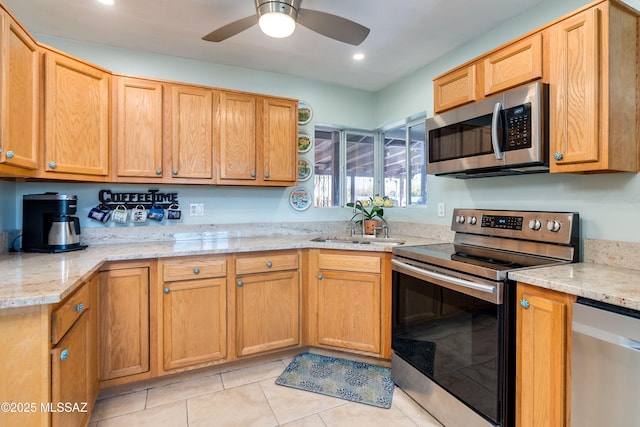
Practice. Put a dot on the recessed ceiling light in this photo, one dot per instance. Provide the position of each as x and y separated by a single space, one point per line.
358 56
107 2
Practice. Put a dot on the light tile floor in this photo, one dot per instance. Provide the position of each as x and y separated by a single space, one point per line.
245 397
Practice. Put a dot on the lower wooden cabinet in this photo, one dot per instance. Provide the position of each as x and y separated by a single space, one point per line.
194 311
543 335
267 302
124 321
350 301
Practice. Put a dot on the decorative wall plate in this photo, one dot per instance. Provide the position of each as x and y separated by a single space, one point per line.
304 169
300 199
304 142
305 113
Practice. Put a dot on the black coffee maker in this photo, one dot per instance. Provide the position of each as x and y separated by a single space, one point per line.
48 224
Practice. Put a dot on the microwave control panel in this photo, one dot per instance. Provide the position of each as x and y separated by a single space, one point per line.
518 127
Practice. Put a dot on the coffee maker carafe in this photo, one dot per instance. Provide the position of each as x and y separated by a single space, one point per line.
48 224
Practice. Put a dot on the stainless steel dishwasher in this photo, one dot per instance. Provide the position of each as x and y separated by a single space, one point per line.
605 365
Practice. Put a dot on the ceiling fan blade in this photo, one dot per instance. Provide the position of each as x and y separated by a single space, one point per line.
333 26
231 29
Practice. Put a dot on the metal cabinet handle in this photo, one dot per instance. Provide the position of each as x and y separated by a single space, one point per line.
266 175
175 171
319 276
240 283
524 303
52 165
269 264
158 171
167 290
558 156
10 154
196 270
80 308
64 354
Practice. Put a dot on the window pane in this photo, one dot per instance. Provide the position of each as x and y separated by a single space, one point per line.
360 166
395 165
417 167
327 167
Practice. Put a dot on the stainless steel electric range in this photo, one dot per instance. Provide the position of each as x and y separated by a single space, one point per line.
453 312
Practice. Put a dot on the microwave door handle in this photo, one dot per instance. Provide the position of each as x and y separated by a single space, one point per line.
495 141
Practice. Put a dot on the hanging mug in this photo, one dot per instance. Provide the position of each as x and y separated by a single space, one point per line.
100 213
119 215
156 213
173 212
139 214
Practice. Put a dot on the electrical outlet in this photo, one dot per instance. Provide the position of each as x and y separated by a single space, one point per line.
441 209
196 209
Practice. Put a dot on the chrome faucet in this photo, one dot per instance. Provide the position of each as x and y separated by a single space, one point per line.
355 212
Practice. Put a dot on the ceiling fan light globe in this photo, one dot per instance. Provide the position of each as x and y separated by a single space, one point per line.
277 25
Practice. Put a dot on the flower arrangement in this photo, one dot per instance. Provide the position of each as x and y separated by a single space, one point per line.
371 208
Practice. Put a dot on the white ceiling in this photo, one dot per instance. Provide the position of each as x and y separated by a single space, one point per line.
405 34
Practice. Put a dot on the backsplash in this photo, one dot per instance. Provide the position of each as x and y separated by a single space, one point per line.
612 253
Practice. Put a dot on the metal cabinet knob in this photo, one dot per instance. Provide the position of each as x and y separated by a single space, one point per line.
319 276
269 264
253 174
158 171
524 303
558 156
80 308
196 270
167 290
266 175
175 171
64 354
10 154
52 165
240 283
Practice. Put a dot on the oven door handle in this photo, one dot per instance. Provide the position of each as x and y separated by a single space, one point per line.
460 282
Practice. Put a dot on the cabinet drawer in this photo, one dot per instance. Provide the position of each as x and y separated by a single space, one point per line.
64 316
194 268
357 263
267 262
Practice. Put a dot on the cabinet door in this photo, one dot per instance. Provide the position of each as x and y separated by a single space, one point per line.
76 117
267 312
237 141
69 373
280 140
454 89
574 91
139 128
19 91
191 132
124 322
542 334
349 310
513 65
195 322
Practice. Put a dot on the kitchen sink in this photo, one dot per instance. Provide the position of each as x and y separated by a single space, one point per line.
360 241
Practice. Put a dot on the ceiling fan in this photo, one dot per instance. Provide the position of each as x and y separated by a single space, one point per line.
277 18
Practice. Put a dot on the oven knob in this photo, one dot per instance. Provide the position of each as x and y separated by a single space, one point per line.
460 219
535 224
472 220
553 226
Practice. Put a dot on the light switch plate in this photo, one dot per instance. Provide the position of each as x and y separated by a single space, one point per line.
441 209
196 209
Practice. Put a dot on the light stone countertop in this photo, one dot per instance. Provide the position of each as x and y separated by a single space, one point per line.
34 279
600 282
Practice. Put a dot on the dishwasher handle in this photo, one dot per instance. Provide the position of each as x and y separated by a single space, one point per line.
607 336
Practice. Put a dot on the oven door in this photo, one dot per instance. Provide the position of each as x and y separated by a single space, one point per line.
452 331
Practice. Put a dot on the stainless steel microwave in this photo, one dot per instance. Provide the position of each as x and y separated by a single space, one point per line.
505 134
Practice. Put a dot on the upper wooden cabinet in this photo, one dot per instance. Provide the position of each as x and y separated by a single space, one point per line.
257 143
594 91
19 100
543 334
189 132
138 136
76 123
501 69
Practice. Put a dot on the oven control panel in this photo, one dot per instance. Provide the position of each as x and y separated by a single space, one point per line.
553 227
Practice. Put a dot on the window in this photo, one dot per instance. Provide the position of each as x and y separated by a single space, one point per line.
346 165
